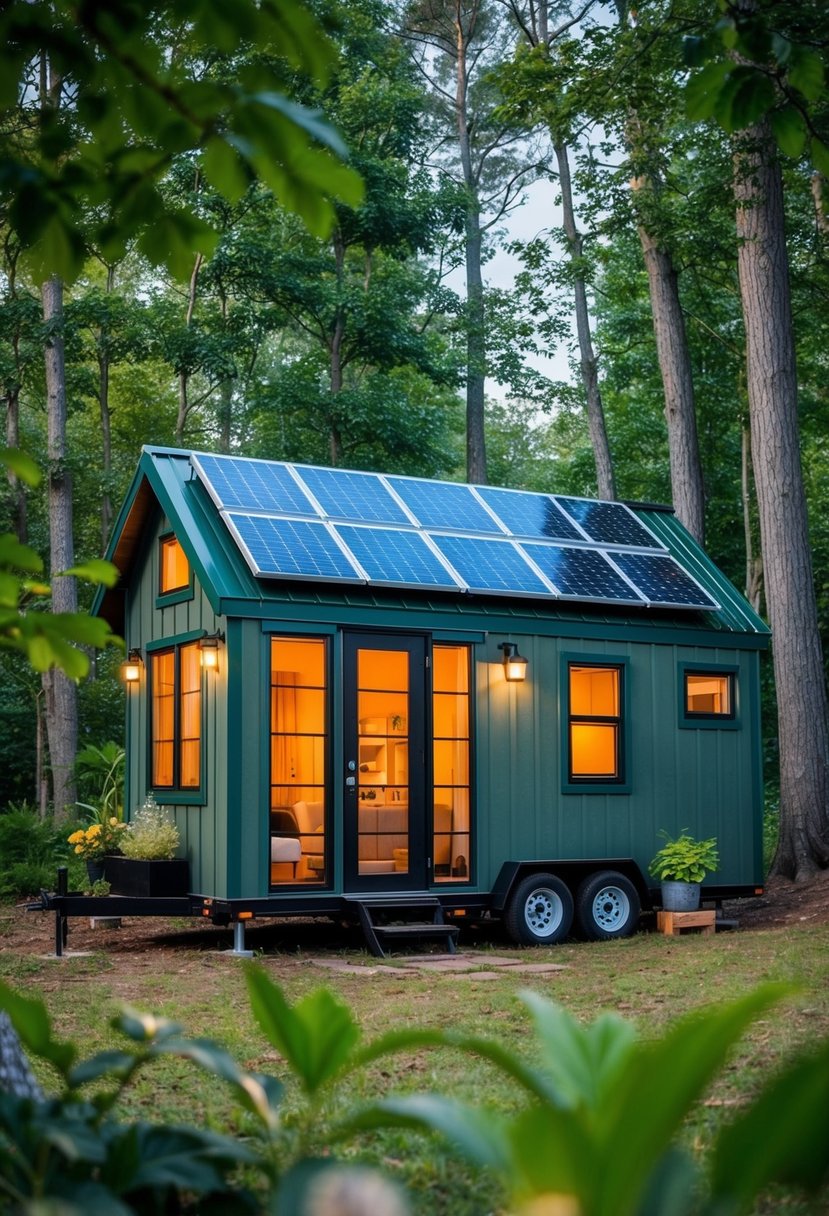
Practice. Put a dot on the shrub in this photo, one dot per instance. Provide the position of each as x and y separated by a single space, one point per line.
31 849
151 836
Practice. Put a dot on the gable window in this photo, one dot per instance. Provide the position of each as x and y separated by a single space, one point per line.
594 722
176 718
174 568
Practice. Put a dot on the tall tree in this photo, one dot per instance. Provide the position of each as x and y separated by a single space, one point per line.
457 43
763 85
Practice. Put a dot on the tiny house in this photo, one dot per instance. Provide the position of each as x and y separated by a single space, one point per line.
351 688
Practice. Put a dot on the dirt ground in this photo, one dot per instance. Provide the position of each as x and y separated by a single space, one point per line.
32 933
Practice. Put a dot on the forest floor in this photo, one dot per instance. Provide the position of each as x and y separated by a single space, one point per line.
784 904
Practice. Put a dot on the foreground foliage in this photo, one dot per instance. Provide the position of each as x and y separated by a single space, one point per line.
593 1130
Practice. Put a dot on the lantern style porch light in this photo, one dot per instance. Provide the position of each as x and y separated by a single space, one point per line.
131 667
209 650
515 665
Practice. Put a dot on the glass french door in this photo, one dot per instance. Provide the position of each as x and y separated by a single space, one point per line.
385 763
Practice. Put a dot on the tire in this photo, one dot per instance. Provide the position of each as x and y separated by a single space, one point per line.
540 911
607 906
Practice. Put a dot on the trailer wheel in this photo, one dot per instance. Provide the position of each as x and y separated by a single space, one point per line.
540 911
607 906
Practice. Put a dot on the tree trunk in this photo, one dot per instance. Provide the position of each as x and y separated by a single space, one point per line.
60 692
184 377
475 323
675 367
754 564
335 353
13 408
106 422
772 396
595 411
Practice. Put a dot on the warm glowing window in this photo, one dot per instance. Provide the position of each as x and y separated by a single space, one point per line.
176 718
450 722
595 723
708 695
298 759
175 568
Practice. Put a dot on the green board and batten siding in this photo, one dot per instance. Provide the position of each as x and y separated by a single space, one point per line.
707 780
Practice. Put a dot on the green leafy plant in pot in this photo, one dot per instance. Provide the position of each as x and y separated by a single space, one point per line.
148 866
680 865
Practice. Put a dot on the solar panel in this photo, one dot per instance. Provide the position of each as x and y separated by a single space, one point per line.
353 496
444 504
491 565
397 558
291 548
253 485
662 580
530 515
609 523
584 574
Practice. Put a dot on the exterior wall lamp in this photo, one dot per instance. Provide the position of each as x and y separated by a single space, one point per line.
131 667
209 650
515 665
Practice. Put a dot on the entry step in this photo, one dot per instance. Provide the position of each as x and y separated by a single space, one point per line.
375 912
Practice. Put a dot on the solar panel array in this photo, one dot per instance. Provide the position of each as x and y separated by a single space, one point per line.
331 525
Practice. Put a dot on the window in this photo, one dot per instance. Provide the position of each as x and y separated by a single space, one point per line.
708 697
176 725
594 723
451 719
299 746
174 568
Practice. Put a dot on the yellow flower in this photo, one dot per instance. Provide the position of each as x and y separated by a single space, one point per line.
94 830
78 848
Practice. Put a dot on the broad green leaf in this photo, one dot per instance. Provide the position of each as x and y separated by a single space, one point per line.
20 464
59 250
480 1135
703 90
551 1153
806 73
789 130
224 168
583 1061
254 1095
144 1027
751 99
316 1036
104 1064
184 1158
17 556
77 627
96 571
820 155
31 1021
657 1087
789 1120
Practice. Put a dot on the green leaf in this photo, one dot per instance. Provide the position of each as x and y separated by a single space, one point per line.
820 155
652 1096
104 1064
144 1027
789 130
583 1061
258 1095
789 1121
224 168
17 556
806 73
21 465
96 571
479 1135
703 89
316 1036
31 1021
751 99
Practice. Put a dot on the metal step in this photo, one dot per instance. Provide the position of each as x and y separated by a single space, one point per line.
371 906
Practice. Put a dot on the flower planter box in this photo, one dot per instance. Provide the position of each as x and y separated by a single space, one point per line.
146 879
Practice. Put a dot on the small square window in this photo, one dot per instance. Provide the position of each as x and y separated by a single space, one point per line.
708 694
174 567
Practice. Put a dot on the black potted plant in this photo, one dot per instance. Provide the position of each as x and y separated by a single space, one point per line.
147 865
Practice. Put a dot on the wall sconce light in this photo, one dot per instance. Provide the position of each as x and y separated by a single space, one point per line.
515 665
131 667
209 650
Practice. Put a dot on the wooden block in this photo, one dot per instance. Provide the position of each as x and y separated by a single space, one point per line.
672 923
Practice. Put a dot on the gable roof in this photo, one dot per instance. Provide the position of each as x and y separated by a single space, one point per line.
167 480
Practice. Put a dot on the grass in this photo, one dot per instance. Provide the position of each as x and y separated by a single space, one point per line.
650 979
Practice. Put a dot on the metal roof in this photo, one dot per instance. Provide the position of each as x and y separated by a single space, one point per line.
165 480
